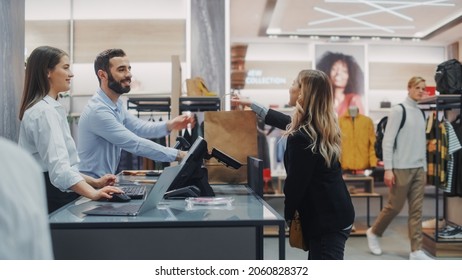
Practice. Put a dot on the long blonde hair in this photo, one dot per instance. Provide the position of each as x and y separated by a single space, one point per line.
314 113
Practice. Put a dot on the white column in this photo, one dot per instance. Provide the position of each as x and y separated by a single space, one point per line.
209 44
11 65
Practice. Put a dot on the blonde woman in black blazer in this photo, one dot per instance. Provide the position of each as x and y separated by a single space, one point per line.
314 185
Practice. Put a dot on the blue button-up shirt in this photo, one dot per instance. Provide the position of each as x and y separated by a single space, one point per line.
105 128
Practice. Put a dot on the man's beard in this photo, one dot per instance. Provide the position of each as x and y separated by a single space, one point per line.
117 86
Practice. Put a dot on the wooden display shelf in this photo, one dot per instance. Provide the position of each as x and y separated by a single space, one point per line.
443 248
360 228
366 181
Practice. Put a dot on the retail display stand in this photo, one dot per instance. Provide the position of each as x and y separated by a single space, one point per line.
432 242
368 193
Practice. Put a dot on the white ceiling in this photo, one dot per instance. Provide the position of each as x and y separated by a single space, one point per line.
436 21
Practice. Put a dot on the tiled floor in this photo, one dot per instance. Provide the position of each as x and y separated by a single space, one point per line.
395 243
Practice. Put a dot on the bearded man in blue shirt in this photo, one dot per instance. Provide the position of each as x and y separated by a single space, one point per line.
106 127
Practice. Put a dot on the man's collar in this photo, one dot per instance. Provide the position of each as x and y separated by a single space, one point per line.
107 100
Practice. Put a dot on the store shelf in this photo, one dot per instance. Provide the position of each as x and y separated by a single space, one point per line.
360 226
449 248
199 104
149 104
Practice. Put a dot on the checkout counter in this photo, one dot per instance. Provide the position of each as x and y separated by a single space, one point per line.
172 230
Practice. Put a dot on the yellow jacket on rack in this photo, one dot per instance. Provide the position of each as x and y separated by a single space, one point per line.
358 139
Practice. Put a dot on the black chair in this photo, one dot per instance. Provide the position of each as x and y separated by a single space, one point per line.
255 175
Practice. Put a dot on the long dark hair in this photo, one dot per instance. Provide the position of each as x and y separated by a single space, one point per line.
356 77
36 85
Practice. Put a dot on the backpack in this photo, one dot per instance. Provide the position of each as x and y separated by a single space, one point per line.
380 132
448 77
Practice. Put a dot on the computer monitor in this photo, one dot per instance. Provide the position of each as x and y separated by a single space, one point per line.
192 177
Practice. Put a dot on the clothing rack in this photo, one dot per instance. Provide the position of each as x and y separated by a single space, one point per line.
199 104
440 103
149 104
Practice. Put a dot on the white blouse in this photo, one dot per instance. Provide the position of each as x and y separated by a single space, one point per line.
45 134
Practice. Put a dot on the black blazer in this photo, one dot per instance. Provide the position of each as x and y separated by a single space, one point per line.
277 119
318 193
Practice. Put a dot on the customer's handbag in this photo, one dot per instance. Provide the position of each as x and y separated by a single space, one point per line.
296 239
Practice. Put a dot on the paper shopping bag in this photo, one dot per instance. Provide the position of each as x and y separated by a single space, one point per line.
235 134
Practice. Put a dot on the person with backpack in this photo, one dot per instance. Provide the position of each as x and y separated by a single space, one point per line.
404 156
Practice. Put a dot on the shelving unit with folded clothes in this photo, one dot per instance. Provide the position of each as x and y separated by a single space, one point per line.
442 240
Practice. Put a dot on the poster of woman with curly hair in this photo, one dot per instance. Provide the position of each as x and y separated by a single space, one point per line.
344 65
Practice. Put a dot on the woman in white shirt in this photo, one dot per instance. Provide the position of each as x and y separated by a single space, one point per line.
45 133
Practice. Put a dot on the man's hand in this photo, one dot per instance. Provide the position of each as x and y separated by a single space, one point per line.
389 178
181 122
180 155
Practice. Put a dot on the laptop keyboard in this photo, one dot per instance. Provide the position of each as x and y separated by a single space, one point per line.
134 191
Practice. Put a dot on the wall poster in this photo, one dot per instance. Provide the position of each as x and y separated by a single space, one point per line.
345 65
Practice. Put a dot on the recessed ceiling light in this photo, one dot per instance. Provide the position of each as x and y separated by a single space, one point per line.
273 31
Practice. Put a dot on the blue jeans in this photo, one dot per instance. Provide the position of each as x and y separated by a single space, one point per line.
329 246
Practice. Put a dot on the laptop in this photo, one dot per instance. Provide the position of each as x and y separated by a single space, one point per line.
154 196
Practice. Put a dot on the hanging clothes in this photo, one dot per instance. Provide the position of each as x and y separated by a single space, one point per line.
453 147
158 165
431 148
456 188
437 157
358 139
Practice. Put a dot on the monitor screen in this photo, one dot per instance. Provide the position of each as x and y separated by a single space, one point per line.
192 173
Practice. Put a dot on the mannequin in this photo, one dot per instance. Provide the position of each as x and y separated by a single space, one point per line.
353 111
358 139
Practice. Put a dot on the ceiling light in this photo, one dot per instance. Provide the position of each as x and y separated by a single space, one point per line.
375 38
355 38
293 36
273 31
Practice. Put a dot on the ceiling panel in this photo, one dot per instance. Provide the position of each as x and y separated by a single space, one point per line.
430 20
